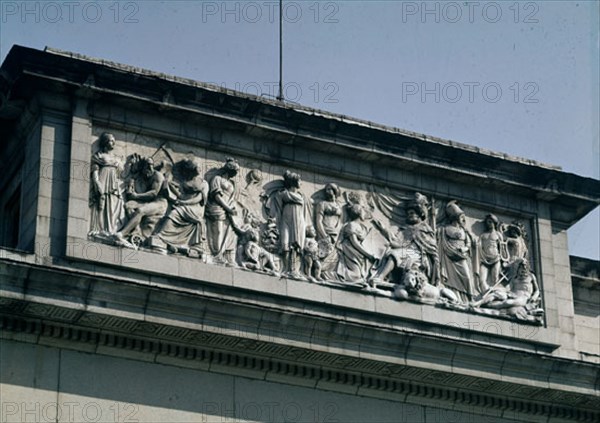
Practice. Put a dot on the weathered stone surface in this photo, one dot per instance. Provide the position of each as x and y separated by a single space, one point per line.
178 233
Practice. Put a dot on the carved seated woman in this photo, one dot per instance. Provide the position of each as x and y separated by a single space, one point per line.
355 261
182 230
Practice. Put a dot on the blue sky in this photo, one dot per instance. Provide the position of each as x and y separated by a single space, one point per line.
515 77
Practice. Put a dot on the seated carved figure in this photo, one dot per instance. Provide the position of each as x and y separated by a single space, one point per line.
415 245
415 286
183 228
251 255
355 261
147 201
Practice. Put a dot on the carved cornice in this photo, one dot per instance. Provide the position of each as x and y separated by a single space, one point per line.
572 196
295 366
206 330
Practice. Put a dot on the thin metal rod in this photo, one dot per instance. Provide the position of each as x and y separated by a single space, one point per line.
280 95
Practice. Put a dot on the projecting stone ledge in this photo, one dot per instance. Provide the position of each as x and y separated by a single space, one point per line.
142 317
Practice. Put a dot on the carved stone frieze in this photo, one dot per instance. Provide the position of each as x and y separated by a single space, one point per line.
264 218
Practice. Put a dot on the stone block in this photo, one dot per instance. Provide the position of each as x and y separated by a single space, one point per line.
155 263
29 376
81 151
79 209
357 300
80 189
260 282
565 307
388 306
196 270
308 291
77 227
82 133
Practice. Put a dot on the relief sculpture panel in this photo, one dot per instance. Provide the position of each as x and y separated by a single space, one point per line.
266 218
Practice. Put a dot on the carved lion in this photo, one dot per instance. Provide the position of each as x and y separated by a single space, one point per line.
415 286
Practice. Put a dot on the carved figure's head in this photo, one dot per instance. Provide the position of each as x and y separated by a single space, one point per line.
146 166
514 231
231 167
332 191
412 216
311 232
416 210
291 179
414 280
455 213
107 141
188 168
491 222
356 211
522 267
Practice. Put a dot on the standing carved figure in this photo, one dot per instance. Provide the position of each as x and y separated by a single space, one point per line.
490 248
147 200
220 211
456 250
292 223
106 199
328 219
355 260
312 263
515 243
182 229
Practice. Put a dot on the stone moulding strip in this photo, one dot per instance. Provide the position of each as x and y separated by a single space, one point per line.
264 295
212 113
432 391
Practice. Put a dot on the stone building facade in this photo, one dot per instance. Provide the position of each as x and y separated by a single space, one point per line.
174 251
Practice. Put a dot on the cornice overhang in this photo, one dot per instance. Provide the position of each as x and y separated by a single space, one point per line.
247 333
26 71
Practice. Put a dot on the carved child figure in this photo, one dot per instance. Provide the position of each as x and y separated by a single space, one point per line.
515 243
250 255
256 257
312 263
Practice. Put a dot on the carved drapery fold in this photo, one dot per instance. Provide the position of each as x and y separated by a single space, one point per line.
402 245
